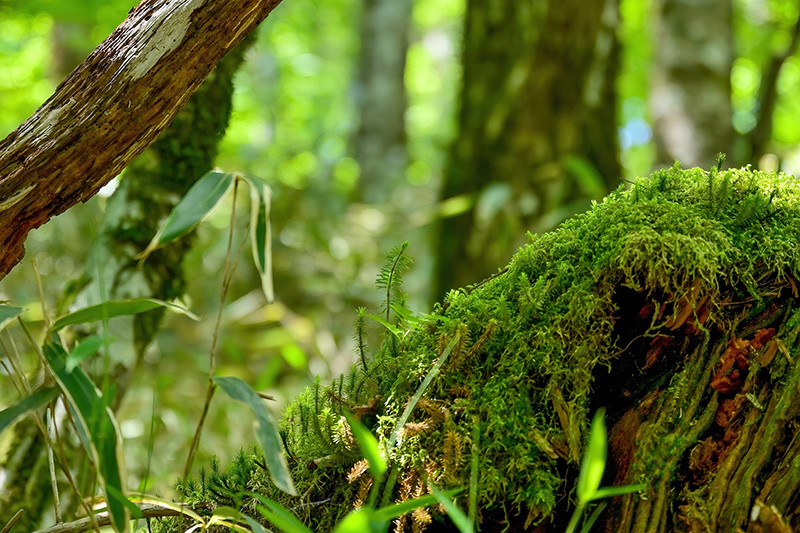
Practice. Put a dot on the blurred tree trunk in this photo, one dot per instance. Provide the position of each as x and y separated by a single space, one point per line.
691 86
148 190
380 143
538 130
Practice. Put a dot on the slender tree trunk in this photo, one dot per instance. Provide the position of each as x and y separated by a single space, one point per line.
524 154
149 189
380 143
691 92
112 107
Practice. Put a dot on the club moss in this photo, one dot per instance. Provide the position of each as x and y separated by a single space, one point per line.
529 344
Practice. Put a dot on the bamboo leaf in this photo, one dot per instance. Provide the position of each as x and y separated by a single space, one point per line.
199 201
116 308
266 430
27 404
97 430
260 232
86 348
8 314
368 445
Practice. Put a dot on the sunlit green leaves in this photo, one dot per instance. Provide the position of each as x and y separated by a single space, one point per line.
266 430
204 196
200 200
97 430
116 308
29 403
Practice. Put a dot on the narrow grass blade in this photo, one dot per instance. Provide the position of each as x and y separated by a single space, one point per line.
390 512
458 517
594 460
608 492
266 430
116 308
199 202
280 516
97 430
412 403
368 445
34 401
261 232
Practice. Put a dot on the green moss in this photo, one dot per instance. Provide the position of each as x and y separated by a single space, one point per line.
533 338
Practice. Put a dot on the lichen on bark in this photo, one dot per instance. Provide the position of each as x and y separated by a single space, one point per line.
672 303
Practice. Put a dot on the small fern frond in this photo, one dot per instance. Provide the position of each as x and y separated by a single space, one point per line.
390 277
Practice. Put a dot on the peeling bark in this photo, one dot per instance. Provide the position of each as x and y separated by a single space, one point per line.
112 107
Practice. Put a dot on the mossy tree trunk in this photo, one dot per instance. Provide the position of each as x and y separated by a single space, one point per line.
537 137
150 187
691 87
675 306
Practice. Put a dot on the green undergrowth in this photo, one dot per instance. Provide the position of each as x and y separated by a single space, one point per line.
523 349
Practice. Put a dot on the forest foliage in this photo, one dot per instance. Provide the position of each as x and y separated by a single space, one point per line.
295 124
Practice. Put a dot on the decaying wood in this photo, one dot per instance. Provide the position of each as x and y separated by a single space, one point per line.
112 107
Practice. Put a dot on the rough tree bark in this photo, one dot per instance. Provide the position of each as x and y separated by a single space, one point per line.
691 92
112 107
528 119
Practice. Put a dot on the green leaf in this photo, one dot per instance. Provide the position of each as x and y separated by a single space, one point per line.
594 460
116 308
260 232
390 512
86 348
280 516
458 517
609 492
97 430
368 445
222 515
7 314
29 403
266 430
361 520
197 204
383 322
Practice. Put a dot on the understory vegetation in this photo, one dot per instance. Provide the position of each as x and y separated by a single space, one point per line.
638 306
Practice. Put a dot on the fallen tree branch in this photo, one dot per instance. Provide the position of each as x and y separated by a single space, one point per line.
112 107
85 524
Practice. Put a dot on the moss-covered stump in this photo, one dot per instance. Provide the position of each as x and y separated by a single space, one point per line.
673 304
